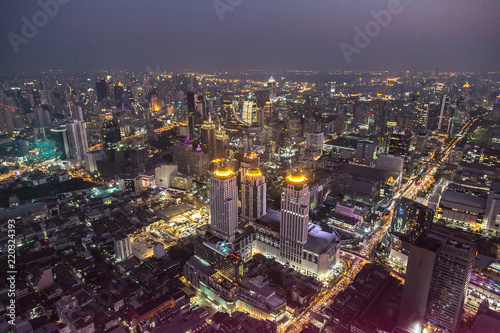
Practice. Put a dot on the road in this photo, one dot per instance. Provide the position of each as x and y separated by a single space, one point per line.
410 188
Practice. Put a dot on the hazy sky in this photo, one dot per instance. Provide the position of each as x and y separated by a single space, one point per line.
253 34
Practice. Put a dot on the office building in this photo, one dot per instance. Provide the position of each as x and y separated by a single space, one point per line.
249 111
111 133
181 156
123 248
400 144
192 116
221 143
365 150
253 194
163 175
91 159
221 258
314 144
77 134
294 218
410 219
198 167
437 277
208 139
101 88
62 145
492 215
224 203
390 163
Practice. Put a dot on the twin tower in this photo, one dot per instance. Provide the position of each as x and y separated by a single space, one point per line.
224 200
294 217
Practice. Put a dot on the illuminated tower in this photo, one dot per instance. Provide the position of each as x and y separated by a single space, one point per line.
208 140
294 218
224 203
249 160
253 194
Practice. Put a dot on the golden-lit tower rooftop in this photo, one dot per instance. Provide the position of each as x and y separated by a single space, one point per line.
223 173
296 178
254 172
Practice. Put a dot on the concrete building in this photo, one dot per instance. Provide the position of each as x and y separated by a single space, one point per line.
437 277
77 138
294 218
365 151
253 194
123 248
224 203
163 174
314 144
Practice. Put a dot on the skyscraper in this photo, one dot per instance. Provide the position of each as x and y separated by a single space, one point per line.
224 203
410 219
208 140
191 106
77 134
294 220
101 88
181 156
314 143
250 160
111 133
253 194
437 277
60 137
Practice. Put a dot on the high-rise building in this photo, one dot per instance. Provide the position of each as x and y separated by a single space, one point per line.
314 143
62 145
123 248
437 278
365 151
492 214
91 159
249 111
443 115
6 120
294 219
221 143
192 116
208 140
250 160
228 114
198 166
224 203
410 219
77 134
111 134
101 88
400 144
253 194
118 93
181 156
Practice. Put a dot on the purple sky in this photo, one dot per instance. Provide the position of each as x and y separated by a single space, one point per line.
454 35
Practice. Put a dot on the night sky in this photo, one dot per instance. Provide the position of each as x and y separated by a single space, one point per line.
449 35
